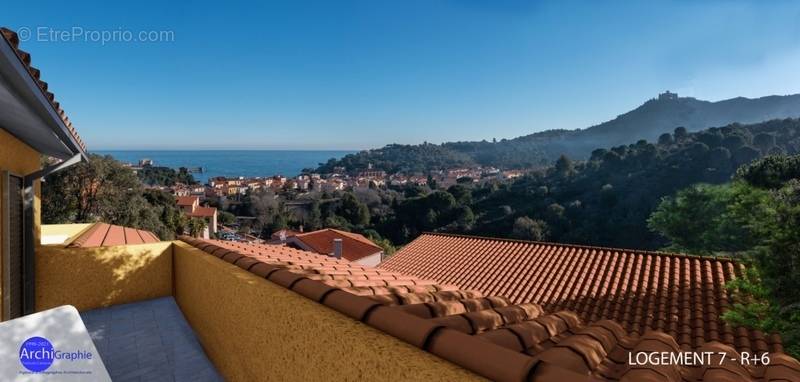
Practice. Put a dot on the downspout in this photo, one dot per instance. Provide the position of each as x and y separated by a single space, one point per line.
28 258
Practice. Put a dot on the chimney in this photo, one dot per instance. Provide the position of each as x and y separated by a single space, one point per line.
337 248
301 228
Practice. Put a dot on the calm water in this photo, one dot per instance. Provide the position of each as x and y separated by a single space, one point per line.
232 162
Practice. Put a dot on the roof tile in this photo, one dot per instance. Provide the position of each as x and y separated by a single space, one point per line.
507 342
105 235
682 295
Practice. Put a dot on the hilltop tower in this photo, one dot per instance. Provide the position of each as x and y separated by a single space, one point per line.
667 95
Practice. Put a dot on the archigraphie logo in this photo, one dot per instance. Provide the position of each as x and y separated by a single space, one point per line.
36 354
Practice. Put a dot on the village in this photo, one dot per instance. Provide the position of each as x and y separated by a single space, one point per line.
234 187
205 201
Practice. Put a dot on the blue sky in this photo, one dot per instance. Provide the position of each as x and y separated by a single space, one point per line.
361 74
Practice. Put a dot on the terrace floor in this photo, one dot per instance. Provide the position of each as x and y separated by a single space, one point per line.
148 341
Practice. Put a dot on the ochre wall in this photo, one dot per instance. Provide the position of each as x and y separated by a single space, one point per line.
90 278
19 159
253 330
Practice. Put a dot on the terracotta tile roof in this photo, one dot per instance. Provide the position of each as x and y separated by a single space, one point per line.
187 200
354 246
683 296
203 212
106 235
340 273
486 334
25 57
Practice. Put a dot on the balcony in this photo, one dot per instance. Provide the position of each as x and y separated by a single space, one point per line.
171 311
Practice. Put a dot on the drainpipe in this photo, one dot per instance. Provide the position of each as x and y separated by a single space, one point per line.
337 248
28 259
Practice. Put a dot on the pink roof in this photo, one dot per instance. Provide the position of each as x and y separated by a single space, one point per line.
106 235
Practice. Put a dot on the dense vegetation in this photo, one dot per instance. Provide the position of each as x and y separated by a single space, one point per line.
648 121
401 158
755 218
105 190
607 199
164 176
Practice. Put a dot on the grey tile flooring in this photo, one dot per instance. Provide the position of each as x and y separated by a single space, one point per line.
148 341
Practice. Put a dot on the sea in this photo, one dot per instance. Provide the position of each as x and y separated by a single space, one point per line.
231 163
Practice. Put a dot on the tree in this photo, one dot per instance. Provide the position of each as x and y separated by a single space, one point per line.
461 193
163 205
197 226
226 218
564 166
264 206
89 191
526 228
165 176
314 220
103 189
388 248
353 210
705 219
464 217
337 222
680 134
665 139
770 172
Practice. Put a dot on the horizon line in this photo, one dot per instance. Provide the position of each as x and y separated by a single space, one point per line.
227 149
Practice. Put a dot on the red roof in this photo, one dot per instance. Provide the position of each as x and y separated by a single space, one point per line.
683 296
25 57
203 212
187 200
106 235
354 246
489 335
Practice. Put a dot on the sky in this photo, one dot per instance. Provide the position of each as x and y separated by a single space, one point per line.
361 74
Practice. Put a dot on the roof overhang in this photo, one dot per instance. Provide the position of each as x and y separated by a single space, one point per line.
27 114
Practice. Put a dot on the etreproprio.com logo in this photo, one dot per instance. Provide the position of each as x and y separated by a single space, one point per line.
37 354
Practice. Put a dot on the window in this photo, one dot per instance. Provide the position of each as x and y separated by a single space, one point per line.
12 245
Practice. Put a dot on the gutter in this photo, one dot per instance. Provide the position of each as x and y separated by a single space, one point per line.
29 254
46 110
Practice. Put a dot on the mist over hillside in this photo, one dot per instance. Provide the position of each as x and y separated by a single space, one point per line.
650 120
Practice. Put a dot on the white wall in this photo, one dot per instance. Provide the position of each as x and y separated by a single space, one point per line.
371 260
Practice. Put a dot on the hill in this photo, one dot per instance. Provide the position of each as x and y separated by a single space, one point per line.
650 120
607 199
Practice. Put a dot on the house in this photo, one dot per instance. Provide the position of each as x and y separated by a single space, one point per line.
210 310
190 205
352 246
